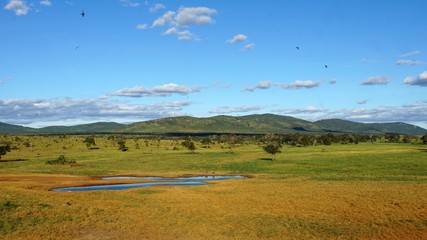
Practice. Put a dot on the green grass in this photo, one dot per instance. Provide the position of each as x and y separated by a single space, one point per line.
373 162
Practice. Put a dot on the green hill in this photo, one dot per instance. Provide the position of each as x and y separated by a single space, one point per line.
98 127
344 126
266 123
250 124
15 129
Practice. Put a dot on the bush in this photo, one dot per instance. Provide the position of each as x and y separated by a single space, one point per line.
4 149
61 161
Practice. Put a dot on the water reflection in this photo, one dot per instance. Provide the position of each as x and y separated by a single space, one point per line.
162 181
192 178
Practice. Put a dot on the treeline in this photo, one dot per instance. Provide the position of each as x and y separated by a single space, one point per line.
303 140
269 142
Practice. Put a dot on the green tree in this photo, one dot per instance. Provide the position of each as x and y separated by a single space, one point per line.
4 149
392 137
189 145
122 144
424 138
90 141
273 143
272 148
326 139
206 141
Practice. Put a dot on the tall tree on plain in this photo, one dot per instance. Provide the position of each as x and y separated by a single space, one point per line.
273 145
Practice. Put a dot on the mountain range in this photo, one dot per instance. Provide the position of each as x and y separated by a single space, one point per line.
250 124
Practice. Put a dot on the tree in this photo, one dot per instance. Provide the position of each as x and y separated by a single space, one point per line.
272 148
206 141
4 149
189 145
89 142
326 139
273 144
424 138
122 144
392 137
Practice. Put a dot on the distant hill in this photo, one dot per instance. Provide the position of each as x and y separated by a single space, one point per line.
267 123
339 125
260 124
250 124
98 127
15 129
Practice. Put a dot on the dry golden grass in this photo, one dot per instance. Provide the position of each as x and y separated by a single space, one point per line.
254 208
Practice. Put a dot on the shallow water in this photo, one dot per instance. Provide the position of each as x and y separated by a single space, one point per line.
193 178
163 181
125 186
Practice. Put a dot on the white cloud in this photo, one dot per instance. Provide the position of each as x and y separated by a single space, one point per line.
420 80
384 114
298 84
182 35
415 113
184 18
378 80
229 110
156 7
249 46
410 53
305 110
165 19
142 26
46 3
28 111
185 35
129 3
194 16
172 30
259 85
157 91
238 38
408 62
18 6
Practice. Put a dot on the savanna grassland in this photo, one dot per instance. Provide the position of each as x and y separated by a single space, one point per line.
351 191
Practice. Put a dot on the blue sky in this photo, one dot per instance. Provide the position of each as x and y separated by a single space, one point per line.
135 60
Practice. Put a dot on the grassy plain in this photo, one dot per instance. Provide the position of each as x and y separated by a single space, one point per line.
364 191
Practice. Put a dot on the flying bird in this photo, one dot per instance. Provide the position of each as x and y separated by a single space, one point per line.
297 48
76 48
83 13
326 66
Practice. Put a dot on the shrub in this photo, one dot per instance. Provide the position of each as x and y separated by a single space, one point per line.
61 160
4 149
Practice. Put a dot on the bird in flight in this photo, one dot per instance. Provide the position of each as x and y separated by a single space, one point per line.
83 13
297 48
326 66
